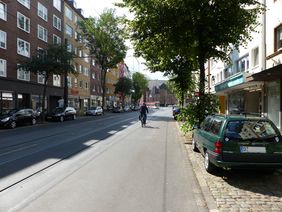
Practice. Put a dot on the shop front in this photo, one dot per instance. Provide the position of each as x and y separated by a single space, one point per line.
238 95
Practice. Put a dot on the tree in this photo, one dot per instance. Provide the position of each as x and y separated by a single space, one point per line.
123 87
139 84
195 29
106 41
55 59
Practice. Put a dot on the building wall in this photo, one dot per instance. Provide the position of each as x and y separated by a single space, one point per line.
18 88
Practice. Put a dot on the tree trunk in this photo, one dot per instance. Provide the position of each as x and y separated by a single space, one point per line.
104 75
65 89
201 62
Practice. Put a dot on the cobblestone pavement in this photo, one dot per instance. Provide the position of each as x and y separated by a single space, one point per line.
237 190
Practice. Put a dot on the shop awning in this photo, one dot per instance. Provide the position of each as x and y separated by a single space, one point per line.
270 74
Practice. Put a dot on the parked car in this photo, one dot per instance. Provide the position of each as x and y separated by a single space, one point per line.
94 111
117 110
238 142
61 114
127 109
175 112
16 117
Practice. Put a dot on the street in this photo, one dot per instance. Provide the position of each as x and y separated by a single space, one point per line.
103 163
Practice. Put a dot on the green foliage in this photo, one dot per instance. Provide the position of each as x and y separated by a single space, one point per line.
196 112
55 59
195 29
106 40
123 87
139 84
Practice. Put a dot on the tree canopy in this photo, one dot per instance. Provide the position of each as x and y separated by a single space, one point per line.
105 38
139 84
55 59
194 29
123 87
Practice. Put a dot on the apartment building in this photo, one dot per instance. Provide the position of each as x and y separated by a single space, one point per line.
253 82
26 26
111 100
271 75
79 85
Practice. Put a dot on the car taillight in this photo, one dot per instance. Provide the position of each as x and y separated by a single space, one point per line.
218 147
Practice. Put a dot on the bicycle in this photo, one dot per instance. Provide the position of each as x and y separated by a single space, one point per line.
143 120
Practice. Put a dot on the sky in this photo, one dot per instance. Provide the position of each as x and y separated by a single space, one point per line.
94 8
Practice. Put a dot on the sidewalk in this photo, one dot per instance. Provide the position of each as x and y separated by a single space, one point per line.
236 190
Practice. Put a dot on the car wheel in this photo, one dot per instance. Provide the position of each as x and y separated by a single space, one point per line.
13 124
209 167
194 146
73 117
33 121
61 118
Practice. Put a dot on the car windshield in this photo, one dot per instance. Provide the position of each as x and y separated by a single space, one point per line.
92 108
249 129
58 110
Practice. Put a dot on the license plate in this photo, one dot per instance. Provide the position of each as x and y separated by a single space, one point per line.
252 149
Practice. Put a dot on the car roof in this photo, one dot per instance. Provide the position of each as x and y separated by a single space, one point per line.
235 117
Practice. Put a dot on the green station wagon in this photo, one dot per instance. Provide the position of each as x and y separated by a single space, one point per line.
238 142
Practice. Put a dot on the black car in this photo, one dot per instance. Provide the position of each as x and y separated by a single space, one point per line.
16 117
175 112
61 114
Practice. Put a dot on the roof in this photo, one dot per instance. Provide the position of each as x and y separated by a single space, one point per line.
156 83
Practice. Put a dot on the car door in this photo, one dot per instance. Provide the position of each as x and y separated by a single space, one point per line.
20 117
201 134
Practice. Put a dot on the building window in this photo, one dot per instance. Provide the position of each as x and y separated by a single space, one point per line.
75 19
57 80
57 39
255 57
42 12
3 68
75 82
57 23
42 33
40 78
23 75
86 71
278 38
23 48
3 11
93 75
81 84
3 39
80 69
86 85
57 4
68 13
69 82
25 3
69 30
23 22
243 64
70 47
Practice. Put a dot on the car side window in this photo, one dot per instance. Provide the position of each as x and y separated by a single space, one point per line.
215 126
206 124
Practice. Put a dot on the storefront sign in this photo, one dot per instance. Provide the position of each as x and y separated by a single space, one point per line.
230 83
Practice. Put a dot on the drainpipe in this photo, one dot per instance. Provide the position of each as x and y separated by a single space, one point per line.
263 59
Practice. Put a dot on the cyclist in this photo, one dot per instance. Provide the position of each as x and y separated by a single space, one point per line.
143 111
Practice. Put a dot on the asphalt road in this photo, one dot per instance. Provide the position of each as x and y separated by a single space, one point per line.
105 163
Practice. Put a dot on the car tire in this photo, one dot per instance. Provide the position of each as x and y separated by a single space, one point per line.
61 118
13 124
33 121
73 117
194 145
209 167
